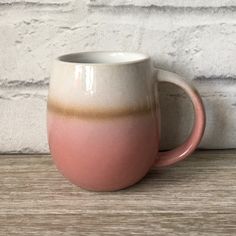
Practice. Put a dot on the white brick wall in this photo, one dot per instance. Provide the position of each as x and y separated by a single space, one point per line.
195 38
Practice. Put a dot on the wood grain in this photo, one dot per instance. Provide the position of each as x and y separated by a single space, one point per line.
195 197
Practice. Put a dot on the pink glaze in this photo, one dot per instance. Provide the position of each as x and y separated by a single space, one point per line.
103 154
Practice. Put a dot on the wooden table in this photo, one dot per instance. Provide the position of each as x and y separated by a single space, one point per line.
195 197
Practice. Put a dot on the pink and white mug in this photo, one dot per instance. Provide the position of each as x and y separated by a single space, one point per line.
104 121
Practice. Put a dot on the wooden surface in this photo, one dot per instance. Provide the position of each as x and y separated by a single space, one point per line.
195 197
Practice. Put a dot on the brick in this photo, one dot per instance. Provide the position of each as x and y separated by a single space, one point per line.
23 119
189 44
31 38
161 3
35 2
23 122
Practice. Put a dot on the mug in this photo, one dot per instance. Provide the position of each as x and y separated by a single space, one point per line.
104 118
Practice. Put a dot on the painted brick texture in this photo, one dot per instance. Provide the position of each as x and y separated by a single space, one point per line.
196 39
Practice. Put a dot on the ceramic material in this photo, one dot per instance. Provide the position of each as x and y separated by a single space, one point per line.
103 118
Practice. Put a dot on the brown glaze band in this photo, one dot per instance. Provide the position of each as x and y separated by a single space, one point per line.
55 107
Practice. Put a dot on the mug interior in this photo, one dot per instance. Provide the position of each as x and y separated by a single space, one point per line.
103 57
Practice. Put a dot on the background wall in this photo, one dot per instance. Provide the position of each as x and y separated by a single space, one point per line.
195 38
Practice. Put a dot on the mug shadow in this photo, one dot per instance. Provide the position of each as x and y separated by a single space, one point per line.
177 115
190 170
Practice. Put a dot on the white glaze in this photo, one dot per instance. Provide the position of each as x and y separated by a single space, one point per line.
97 81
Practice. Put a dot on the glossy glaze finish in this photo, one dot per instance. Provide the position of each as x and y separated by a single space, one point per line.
102 124
103 119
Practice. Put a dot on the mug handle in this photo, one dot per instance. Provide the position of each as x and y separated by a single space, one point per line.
167 158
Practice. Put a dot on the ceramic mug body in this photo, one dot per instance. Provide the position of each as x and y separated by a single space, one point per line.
103 119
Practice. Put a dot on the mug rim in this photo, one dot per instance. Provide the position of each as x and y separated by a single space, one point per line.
77 58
